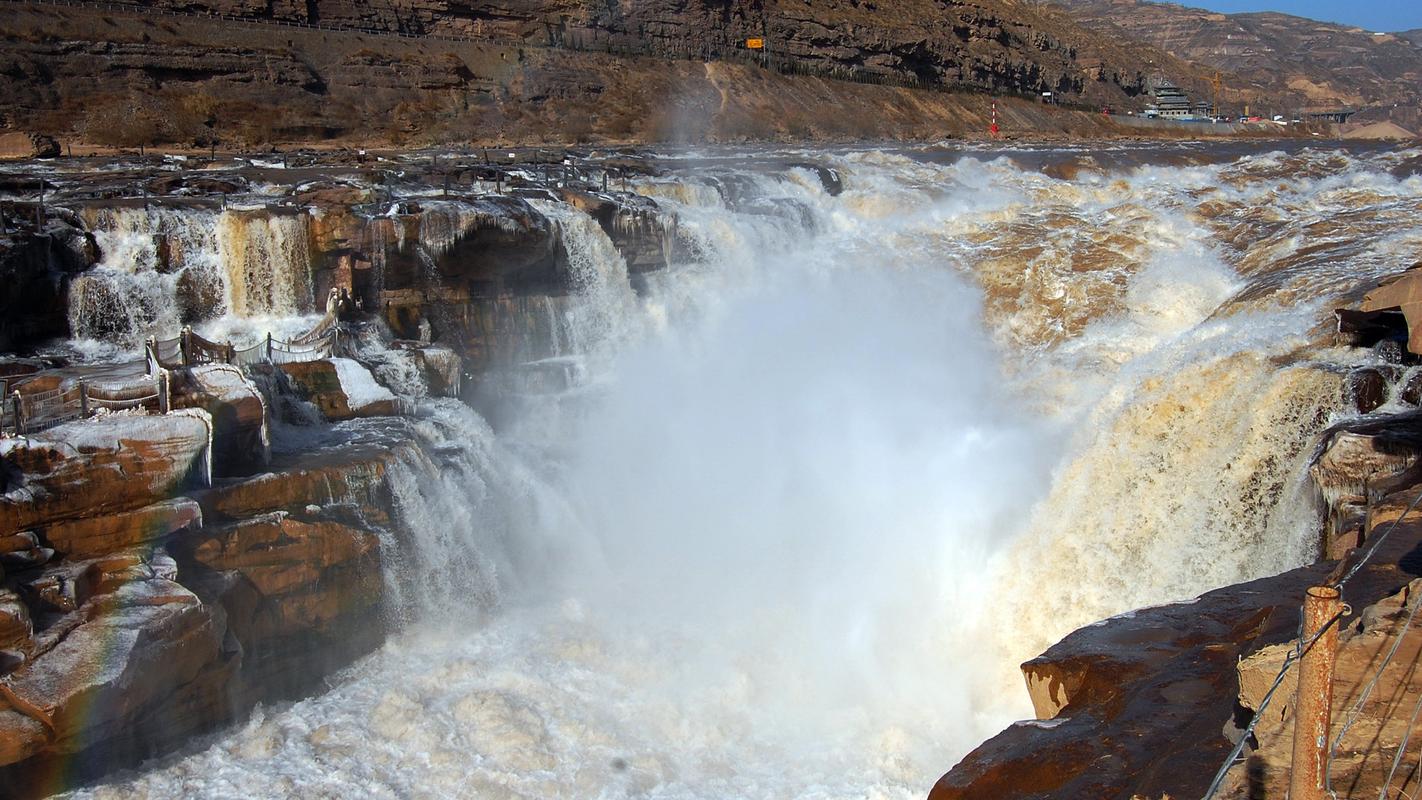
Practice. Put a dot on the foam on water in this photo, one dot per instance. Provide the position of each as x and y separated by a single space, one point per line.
229 273
816 493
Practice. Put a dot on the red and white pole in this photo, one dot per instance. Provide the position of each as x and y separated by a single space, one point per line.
993 128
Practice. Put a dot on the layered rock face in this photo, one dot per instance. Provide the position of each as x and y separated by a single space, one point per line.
1144 705
146 597
555 71
983 44
36 264
475 270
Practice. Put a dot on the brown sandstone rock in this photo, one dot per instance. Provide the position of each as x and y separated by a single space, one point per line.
1139 700
132 648
92 536
301 597
351 476
1370 455
1373 732
240 441
312 572
342 389
100 466
1142 700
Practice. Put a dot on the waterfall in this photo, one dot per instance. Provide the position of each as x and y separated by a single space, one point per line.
267 258
828 479
604 304
162 268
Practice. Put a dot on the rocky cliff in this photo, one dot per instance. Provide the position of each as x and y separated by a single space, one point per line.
537 71
162 573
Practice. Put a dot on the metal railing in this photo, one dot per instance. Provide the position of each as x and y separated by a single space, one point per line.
24 413
189 349
1314 777
27 413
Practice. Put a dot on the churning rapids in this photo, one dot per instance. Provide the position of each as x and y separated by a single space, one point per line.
818 488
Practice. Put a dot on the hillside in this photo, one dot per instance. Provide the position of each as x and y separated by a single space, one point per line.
1276 62
538 70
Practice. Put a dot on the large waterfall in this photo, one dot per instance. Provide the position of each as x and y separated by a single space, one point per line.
815 490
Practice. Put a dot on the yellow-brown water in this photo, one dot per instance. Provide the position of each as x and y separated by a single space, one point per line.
819 489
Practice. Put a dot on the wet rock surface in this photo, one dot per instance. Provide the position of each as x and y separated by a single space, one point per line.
1142 704
103 466
1136 703
1149 703
139 612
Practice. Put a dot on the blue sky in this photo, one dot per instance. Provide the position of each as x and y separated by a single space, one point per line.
1376 15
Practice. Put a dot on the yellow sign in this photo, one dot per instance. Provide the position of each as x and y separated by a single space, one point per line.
755 44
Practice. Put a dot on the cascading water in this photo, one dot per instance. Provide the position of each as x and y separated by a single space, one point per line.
165 267
161 268
816 493
267 260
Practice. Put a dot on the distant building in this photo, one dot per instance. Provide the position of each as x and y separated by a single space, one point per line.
1170 102
1339 116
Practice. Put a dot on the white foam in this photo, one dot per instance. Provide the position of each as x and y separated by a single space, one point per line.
824 487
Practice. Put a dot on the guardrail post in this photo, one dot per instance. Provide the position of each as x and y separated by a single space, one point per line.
165 389
185 345
1313 704
84 399
18 411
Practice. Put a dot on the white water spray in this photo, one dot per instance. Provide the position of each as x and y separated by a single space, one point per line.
795 531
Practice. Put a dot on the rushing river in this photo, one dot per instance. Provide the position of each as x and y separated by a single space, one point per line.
818 488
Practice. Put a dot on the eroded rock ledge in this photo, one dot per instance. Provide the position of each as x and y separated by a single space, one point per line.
161 574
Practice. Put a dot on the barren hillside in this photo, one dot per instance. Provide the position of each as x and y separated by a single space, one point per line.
425 71
1277 62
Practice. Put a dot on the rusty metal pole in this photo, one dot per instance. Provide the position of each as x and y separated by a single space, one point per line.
1313 704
